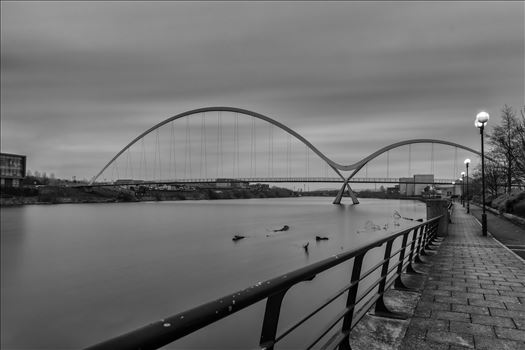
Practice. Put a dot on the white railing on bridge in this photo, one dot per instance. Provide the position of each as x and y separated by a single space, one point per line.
274 180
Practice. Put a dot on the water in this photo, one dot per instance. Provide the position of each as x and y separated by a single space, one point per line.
74 275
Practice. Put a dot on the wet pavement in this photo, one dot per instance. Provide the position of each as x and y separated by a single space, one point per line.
474 296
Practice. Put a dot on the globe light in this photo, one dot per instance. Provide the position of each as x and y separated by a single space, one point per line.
467 161
482 117
462 173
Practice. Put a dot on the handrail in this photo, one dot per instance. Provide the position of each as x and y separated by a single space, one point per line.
165 331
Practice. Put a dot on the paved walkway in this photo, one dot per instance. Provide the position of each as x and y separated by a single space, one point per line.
508 233
474 297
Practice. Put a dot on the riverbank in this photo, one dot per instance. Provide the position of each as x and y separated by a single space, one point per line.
69 195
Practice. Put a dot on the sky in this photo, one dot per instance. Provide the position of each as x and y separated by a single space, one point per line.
79 80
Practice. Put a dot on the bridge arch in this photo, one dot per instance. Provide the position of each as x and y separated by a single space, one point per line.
360 164
335 166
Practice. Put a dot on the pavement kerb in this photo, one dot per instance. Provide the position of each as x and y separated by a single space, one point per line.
501 244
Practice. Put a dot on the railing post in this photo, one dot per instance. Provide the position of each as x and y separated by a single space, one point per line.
434 228
419 250
350 301
410 267
381 309
398 283
271 320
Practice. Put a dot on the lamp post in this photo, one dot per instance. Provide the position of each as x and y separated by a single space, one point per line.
463 189
481 119
453 189
467 162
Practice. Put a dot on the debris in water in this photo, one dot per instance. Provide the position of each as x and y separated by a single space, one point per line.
237 237
319 238
284 228
305 246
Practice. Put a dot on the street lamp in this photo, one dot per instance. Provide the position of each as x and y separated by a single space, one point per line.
481 119
463 189
467 162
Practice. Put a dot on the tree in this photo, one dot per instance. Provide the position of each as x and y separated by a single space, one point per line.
520 160
505 140
493 171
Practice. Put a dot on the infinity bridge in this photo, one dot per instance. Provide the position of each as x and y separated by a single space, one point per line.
205 144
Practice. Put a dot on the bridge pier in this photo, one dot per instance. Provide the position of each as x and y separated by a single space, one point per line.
341 192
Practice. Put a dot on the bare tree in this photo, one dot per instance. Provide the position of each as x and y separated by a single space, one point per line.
505 140
493 173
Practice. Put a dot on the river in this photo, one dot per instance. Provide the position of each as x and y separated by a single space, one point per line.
76 274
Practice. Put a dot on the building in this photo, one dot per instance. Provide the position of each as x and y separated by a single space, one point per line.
406 186
393 190
421 182
12 169
415 186
453 190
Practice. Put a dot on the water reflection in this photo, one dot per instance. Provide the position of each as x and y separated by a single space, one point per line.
92 271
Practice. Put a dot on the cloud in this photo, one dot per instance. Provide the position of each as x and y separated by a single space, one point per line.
365 74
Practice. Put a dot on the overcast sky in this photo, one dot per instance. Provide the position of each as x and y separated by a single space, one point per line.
79 80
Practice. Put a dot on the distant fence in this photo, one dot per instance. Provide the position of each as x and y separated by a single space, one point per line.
396 260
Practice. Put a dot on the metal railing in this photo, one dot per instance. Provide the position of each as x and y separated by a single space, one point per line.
414 242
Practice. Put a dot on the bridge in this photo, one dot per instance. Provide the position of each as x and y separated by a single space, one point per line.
205 144
373 180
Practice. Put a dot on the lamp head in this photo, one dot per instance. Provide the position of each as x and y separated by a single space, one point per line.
462 173
467 161
482 117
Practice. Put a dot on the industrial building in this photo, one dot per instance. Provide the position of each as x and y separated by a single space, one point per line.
415 186
12 169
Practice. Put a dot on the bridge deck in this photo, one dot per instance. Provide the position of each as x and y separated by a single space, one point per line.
474 296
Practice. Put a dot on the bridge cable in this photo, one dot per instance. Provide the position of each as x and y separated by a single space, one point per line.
157 153
205 147
116 168
186 141
219 143
234 154
409 159
173 160
388 164
254 147
269 147
288 154
455 163
237 142
202 147
130 163
251 146
308 165
154 161
144 162
432 158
